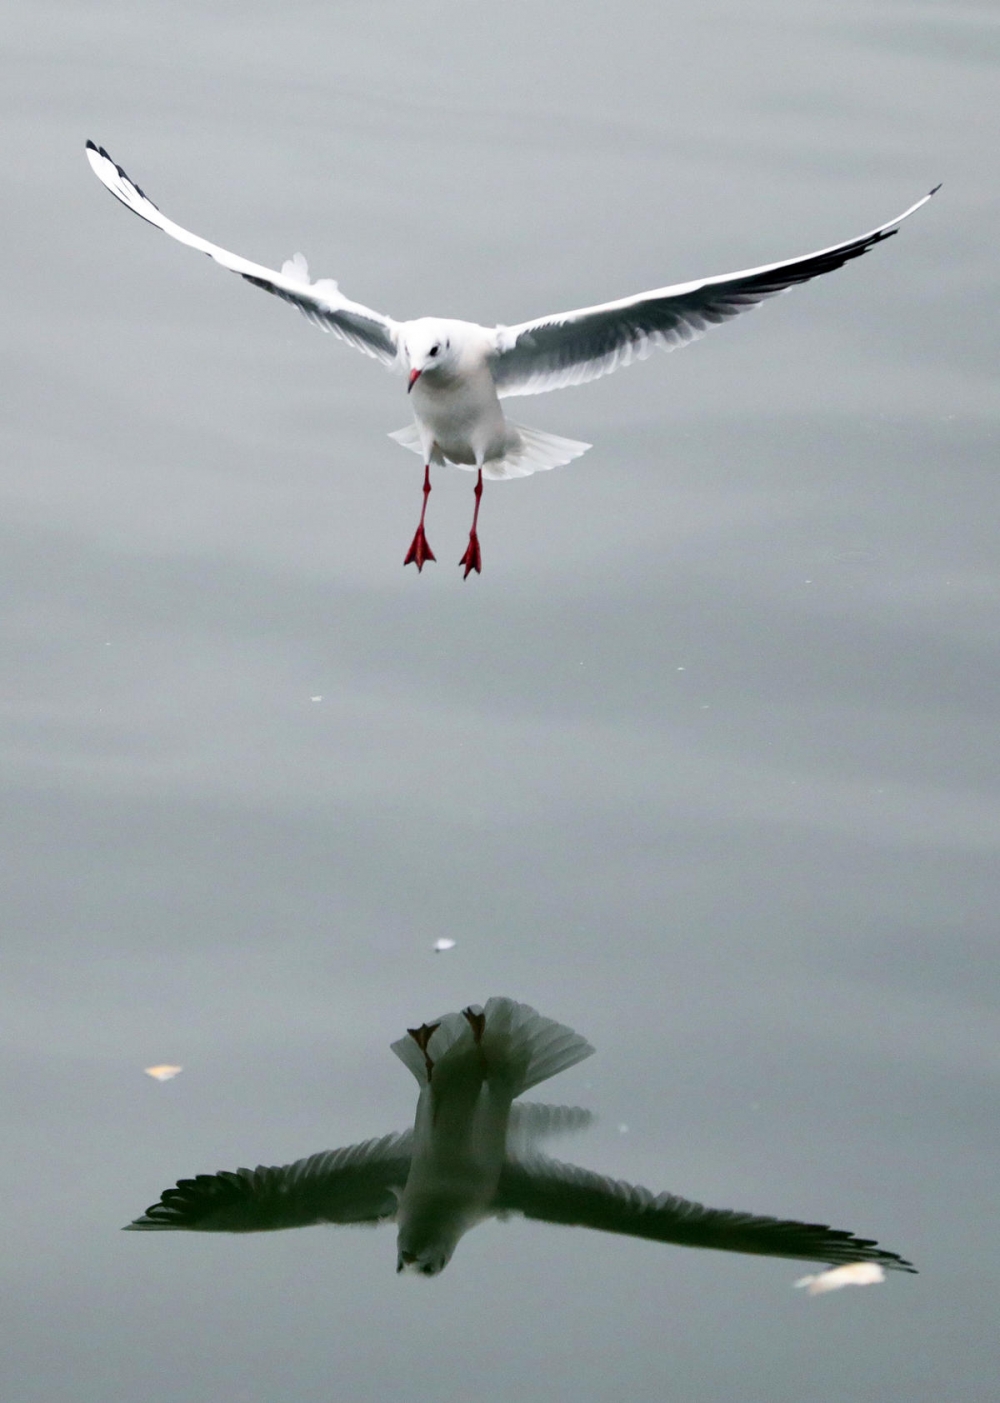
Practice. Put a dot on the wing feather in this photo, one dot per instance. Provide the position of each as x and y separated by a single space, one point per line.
356 1184
569 348
322 302
531 1121
543 1188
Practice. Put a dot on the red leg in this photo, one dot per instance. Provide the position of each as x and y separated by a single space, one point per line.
472 559
420 552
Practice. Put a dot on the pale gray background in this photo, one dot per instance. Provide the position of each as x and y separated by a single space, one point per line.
705 764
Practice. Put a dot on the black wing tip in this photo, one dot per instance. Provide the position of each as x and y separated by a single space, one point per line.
862 1249
850 1248
159 1216
935 190
122 174
92 146
891 1261
191 1201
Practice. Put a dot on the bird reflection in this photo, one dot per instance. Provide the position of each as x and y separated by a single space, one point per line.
473 1154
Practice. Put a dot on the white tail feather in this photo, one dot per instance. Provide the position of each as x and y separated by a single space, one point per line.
519 1045
530 451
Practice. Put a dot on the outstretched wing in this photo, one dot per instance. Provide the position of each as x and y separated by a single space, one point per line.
357 1184
321 302
560 1193
569 348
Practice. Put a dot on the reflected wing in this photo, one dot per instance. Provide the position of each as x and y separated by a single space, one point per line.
321 302
531 1121
357 1184
561 1193
569 348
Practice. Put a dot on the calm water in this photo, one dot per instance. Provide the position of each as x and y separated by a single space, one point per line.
704 765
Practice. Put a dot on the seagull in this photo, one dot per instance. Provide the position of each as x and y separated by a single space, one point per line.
458 372
472 1155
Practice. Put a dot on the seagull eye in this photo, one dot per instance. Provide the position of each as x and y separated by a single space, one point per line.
434 350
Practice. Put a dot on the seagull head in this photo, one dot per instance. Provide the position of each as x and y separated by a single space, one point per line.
429 1232
429 349
427 1263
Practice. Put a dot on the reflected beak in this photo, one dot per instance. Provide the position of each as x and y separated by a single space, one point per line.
414 377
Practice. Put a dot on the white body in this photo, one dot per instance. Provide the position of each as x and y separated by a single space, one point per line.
461 1131
459 1147
456 407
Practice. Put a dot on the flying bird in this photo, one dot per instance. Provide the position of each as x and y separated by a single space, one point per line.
473 1154
457 372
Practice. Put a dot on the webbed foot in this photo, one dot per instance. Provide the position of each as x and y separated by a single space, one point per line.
472 559
476 1020
420 551
422 1036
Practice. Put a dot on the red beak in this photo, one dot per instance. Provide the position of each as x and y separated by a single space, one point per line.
414 377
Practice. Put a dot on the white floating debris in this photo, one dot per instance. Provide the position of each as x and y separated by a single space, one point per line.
316 698
163 1072
623 1129
853 1274
443 944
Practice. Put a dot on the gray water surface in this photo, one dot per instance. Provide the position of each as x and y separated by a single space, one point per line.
704 765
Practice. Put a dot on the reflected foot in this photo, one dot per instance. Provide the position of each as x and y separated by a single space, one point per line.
472 559
476 1020
422 1036
419 552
